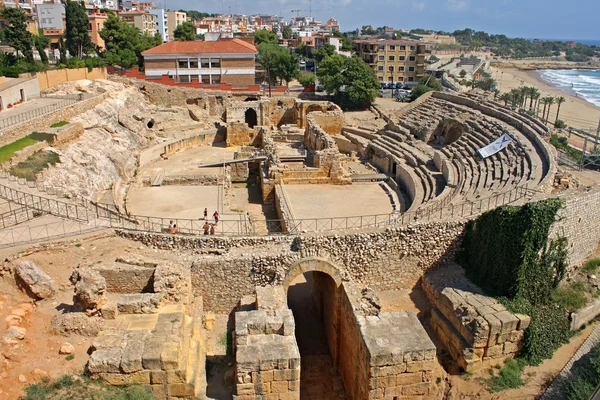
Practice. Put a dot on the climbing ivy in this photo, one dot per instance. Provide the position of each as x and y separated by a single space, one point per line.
506 251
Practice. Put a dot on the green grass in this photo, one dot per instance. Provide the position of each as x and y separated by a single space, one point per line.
34 164
78 388
509 376
7 152
571 297
59 124
591 266
561 143
70 357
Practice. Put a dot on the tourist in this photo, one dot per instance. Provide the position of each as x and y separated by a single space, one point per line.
171 226
206 228
216 217
205 213
212 229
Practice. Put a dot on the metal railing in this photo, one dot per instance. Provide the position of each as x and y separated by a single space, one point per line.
25 234
37 112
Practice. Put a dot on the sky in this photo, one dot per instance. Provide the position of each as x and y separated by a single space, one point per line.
544 19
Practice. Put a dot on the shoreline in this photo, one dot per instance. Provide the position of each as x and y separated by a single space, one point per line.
576 111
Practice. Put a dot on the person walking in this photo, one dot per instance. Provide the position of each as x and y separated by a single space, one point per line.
216 217
206 227
205 213
212 229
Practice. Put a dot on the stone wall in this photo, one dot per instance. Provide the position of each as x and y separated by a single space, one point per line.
40 124
331 122
477 331
185 143
315 136
579 222
284 210
65 134
185 180
239 134
124 278
387 259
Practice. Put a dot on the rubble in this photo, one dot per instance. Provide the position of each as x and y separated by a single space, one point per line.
35 281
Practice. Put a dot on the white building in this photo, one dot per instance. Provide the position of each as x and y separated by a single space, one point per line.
50 16
161 23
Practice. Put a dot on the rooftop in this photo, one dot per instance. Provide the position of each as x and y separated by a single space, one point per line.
194 47
388 41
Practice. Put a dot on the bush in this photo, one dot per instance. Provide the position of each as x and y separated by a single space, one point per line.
591 266
34 164
509 376
59 124
306 79
560 124
571 298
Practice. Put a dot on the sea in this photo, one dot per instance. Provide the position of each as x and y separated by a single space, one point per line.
584 83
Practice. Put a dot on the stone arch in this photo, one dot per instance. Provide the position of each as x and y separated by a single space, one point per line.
311 264
312 108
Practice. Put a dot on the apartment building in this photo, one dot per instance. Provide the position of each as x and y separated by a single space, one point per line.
28 7
96 20
142 20
210 63
394 60
50 16
161 23
174 19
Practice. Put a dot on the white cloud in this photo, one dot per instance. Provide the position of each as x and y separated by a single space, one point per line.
457 5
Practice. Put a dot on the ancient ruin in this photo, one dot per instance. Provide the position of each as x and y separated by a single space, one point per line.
251 245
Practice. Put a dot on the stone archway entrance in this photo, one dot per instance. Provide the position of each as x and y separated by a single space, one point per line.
313 295
251 118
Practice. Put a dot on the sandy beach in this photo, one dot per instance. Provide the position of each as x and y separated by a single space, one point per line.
576 112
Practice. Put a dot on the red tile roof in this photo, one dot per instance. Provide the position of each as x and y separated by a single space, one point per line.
219 46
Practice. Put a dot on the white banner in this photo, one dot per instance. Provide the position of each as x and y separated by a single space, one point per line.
495 146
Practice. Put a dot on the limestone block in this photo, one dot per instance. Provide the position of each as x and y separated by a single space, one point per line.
270 298
180 390
35 281
105 360
524 321
503 337
408 378
294 386
282 375
131 361
169 357
510 347
495 326
279 386
417 389
158 377
268 376
245 388
493 351
137 378
144 303
109 310
516 336
108 340
509 321
90 289
152 351
175 376
290 395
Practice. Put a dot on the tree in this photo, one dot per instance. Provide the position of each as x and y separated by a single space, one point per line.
352 82
462 73
264 35
534 93
76 29
185 32
418 91
505 97
325 51
16 33
545 103
277 62
426 84
41 43
306 79
287 32
124 43
549 101
559 101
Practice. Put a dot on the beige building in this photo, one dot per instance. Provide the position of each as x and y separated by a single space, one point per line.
439 39
394 60
97 20
142 20
174 19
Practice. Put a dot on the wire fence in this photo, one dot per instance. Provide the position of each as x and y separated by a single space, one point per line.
26 234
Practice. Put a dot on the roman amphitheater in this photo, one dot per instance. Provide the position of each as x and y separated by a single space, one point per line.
330 273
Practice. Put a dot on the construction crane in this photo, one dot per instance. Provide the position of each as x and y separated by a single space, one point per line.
308 11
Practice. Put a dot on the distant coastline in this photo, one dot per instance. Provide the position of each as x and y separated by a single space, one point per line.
589 42
582 83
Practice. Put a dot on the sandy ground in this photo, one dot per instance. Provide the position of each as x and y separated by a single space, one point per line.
186 202
337 201
186 162
576 112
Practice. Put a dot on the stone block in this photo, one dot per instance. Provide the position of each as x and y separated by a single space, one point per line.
144 303
282 375
209 320
408 378
245 389
493 351
503 337
268 376
415 355
509 321
271 396
268 365
180 390
290 395
159 391
105 360
175 376
109 310
108 341
294 386
516 336
263 388
510 347
279 386
137 378
158 377
152 351
169 357
131 361
524 321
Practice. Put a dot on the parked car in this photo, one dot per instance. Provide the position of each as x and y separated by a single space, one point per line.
320 88
391 86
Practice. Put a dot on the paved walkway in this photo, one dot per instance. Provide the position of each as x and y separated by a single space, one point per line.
553 391
30 109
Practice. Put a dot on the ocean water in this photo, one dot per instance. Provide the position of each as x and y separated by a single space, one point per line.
584 83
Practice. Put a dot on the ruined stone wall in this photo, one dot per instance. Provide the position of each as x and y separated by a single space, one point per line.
389 259
121 278
280 112
65 134
185 143
236 111
239 134
579 222
185 180
284 210
316 137
331 122
39 124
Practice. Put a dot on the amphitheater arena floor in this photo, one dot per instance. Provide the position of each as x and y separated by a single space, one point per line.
186 202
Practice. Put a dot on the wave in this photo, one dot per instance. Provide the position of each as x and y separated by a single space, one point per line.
583 83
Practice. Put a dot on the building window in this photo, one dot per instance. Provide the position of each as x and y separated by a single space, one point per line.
193 63
411 58
411 69
204 63
206 79
183 63
402 48
392 47
411 79
401 78
391 68
391 79
380 78
401 58
391 58
215 63
401 68
380 68
382 47
216 79
194 77
381 58
184 79
412 48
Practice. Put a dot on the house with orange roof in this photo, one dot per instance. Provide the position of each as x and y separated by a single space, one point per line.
228 62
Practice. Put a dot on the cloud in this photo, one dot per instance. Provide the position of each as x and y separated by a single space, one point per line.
457 5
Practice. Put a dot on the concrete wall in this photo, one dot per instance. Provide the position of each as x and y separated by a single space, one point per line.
11 95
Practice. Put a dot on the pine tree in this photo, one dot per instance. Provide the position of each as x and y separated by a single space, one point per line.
76 32
16 33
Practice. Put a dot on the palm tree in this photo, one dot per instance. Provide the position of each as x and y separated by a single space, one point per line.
537 103
559 101
516 96
533 94
505 97
544 102
549 101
